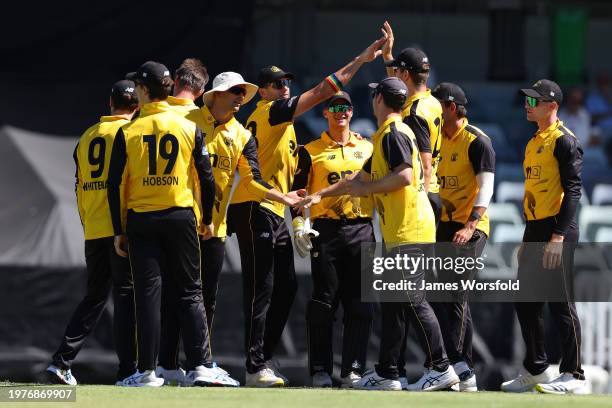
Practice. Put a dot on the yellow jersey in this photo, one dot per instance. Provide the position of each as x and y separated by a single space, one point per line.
272 126
157 151
405 214
92 157
423 113
230 146
324 162
182 106
464 155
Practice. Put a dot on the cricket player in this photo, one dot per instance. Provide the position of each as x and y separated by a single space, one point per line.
231 147
266 253
105 269
393 175
466 172
156 153
190 79
552 165
341 225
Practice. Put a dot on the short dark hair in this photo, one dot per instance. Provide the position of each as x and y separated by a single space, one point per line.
393 103
461 110
191 74
124 101
419 78
159 91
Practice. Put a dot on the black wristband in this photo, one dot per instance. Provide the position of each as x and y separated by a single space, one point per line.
474 216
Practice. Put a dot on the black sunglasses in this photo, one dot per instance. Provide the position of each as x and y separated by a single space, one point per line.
281 83
237 90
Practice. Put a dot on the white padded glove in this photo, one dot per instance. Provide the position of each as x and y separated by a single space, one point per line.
302 234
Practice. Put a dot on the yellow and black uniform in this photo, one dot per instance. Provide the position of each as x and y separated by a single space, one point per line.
552 167
266 250
230 147
464 155
157 152
423 113
182 106
105 269
407 222
343 223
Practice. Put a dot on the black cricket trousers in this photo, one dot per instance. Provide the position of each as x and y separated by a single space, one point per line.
105 271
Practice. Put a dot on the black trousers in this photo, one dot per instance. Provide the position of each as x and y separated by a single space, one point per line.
105 270
436 206
268 278
164 246
212 253
336 278
417 311
531 314
455 317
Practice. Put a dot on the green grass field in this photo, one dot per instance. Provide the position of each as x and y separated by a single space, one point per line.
95 396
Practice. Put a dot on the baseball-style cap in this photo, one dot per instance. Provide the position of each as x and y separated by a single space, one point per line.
449 92
545 90
150 72
393 90
124 87
340 96
227 80
271 74
411 59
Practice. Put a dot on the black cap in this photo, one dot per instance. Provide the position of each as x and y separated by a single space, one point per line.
545 90
449 92
411 59
150 72
393 90
272 73
340 96
124 87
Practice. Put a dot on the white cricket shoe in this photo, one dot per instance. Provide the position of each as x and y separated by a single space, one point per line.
433 380
176 377
60 376
404 382
274 366
525 381
144 379
372 381
467 378
321 379
264 378
350 380
566 383
203 376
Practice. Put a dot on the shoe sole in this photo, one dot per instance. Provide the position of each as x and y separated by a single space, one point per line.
274 385
441 387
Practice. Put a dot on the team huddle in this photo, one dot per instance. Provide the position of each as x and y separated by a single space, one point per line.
156 199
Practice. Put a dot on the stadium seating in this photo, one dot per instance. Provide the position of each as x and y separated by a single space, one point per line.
510 192
602 194
591 218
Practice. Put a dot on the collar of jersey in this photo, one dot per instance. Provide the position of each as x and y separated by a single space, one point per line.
208 117
152 108
385 125
111 118
549 130
332 143
461 128
172 100
418 95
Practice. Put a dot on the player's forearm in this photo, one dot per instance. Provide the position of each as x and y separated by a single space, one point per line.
391 182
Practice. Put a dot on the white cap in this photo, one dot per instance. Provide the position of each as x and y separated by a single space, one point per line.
227 80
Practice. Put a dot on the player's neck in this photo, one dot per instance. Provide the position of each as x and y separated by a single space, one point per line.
340 135
413 90
547 122
122 113
384 116
221 116
185 94
451 127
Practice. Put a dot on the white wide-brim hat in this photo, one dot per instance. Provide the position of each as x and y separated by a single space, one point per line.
227 80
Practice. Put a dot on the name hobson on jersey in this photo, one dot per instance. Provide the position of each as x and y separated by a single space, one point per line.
411 264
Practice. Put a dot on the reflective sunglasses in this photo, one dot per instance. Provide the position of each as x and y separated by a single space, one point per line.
238 90
281 83
531 101
339 108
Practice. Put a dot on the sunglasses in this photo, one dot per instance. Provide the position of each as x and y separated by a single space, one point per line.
281 83
238 90
533 102
339 108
